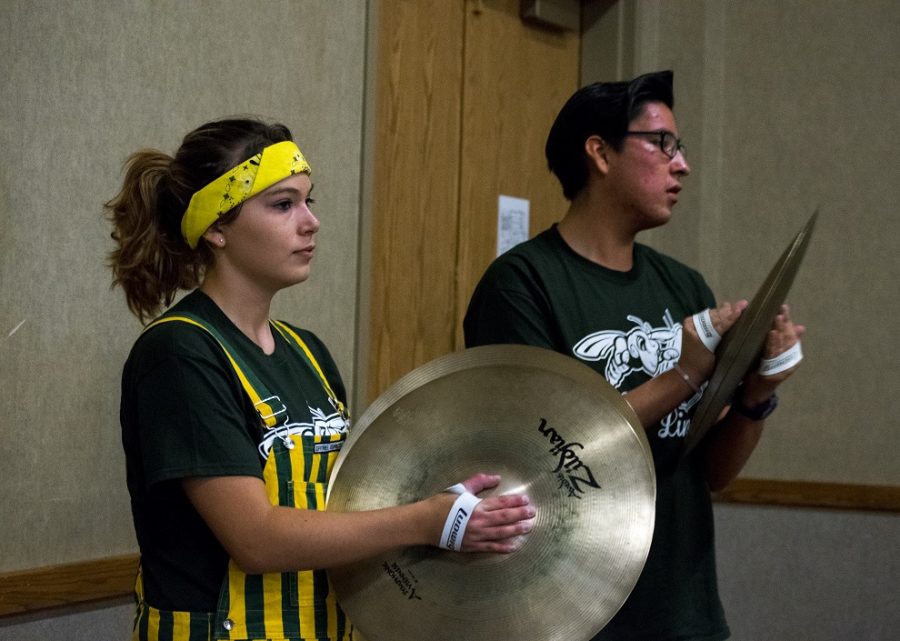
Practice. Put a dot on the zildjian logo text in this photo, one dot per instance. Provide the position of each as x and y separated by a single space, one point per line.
572 473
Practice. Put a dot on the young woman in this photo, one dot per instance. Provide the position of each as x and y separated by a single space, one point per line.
231 421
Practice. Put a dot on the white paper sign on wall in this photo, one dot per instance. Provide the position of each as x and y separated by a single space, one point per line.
512 222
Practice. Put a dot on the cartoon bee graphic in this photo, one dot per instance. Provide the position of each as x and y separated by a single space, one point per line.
280 426
652 350
643 348
326 425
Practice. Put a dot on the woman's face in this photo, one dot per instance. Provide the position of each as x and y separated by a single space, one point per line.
271 242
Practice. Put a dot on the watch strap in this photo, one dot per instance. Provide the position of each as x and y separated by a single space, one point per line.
757 412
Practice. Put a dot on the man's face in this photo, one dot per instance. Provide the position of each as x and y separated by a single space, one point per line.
642 179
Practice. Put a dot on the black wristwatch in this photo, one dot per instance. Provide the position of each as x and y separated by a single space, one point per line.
757 412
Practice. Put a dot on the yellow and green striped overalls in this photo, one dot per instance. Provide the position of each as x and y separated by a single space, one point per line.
288 606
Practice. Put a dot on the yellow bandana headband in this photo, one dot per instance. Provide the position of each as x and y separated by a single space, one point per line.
274 163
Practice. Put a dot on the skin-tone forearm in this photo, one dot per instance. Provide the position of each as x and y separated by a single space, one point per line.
730 443
261 537
732 440
652 400
657 397
728 448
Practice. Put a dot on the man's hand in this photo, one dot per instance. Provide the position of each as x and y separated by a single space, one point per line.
784 334
696 359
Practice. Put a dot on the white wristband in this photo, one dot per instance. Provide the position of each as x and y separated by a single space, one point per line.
458 518
785 360
458 488
706 330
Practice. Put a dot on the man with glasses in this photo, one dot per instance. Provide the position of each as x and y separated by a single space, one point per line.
643 320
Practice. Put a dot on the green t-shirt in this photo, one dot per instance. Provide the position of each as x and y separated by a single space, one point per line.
627 326
185 414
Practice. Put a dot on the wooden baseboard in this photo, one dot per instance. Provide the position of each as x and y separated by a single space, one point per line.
839 496
67 585
76 583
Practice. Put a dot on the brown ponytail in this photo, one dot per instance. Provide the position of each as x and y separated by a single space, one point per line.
152 261
149 264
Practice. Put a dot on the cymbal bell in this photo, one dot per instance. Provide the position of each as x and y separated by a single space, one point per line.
552 428
742 345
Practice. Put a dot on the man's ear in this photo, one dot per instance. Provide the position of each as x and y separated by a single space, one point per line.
597 151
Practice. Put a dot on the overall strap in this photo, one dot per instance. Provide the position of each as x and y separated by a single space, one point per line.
253 387
293 339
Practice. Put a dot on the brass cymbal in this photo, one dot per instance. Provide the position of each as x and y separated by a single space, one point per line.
743 343
552 428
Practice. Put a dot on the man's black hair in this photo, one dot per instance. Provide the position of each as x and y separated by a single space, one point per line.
604 109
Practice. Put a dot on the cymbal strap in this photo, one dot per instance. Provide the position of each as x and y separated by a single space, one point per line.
458 520
782 362
706 330
457 488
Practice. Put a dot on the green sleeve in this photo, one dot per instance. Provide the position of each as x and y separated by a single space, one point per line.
190 411
509 306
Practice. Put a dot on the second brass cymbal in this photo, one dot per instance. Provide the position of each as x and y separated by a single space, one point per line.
742 344
552 428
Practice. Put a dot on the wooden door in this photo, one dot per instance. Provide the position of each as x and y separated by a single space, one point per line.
465 95
516 77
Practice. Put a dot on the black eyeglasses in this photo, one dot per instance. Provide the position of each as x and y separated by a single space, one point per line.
666 140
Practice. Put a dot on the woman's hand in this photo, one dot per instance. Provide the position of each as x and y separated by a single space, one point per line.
497 522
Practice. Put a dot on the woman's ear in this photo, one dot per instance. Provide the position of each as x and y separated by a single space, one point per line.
597 151
214 236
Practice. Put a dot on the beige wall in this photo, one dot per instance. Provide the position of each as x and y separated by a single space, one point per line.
786 106
83 85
